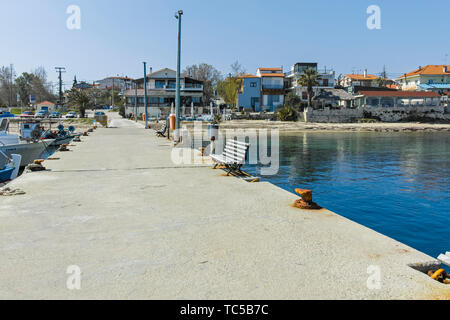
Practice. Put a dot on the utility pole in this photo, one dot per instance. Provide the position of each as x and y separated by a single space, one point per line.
10 84
60 70
112 94
135 100
178 97
145 95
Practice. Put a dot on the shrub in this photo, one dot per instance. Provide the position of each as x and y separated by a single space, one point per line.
287 113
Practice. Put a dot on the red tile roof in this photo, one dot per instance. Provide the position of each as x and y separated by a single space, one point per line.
401 94
272 75
45 103
247 76
428 70
361 77
270 69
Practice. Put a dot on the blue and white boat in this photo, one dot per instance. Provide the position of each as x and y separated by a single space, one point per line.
9 166
29 149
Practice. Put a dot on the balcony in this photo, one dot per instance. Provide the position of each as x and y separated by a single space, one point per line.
188 87
273 87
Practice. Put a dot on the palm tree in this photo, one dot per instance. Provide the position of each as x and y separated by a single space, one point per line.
309 78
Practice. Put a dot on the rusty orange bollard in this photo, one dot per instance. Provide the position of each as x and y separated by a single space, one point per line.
306 201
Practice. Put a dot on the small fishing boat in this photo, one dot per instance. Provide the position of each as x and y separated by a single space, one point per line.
29 149
62 136
9 167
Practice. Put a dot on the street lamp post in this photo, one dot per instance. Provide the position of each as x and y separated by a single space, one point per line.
135 100
178 97
145 95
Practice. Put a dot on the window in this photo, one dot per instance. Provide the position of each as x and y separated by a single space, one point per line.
160 84
325 82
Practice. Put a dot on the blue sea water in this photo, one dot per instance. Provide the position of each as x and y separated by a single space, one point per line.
395 183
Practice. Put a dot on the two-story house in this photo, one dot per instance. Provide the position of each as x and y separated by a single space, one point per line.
161 93
429 78
263 91
359 80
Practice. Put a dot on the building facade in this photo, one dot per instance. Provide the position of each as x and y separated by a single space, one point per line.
161 93
263 91
359 80
326 79
434 78
118 83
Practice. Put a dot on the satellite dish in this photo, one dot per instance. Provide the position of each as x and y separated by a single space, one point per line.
71 129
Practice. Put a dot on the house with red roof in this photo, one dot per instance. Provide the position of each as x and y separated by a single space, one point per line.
46 105
429 78
263 91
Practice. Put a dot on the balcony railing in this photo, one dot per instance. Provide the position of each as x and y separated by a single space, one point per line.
183 87
273 86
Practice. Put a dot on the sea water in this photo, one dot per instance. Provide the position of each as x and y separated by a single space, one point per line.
395 183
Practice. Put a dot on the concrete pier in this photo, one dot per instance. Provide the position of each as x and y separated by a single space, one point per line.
141 227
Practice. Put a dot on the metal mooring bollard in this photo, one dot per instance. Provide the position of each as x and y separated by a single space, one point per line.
306 201
36 166
64 148
85 134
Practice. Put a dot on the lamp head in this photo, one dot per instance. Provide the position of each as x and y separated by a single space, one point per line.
178 14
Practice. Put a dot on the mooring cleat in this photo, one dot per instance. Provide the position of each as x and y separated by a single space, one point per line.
64 148
306 201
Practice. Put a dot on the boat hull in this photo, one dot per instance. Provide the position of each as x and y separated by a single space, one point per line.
28 151
5 174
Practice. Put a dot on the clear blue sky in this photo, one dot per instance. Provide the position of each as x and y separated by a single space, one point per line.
116 36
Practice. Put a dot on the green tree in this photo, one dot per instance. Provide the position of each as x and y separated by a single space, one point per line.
228 90
80 100
209 75
309 78
287 113
292 100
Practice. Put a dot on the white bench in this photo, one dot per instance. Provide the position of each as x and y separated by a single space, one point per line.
162 132
233 156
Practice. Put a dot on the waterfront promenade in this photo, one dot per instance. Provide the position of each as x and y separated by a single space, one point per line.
141 227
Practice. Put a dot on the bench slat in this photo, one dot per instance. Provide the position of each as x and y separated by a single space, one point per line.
239 154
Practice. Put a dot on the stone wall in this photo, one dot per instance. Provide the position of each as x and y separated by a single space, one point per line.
383 114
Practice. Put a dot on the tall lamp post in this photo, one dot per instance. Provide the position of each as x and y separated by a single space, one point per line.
178 97
145 95
135 100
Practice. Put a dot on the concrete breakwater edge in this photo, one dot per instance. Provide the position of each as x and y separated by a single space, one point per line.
138 226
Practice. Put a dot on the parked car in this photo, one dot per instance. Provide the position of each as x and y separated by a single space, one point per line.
27 114
71 115
6 114
42 114
55 114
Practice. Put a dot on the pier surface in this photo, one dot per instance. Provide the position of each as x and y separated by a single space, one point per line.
141 227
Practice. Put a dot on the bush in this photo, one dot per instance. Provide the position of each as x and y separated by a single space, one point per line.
287 113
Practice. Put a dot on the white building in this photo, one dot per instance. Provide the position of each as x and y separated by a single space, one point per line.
326 79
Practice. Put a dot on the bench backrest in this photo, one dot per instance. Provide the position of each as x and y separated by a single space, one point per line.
236 151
